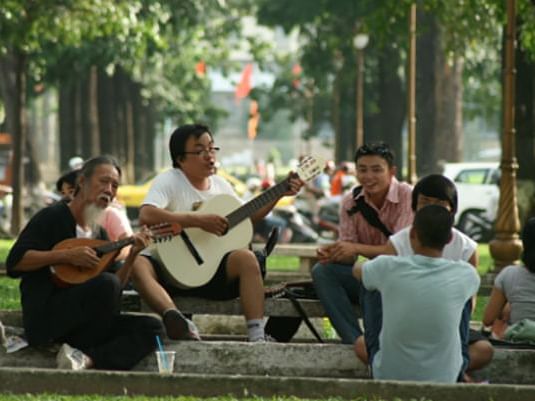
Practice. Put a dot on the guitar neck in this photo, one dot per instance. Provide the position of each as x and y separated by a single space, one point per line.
265 198
113 246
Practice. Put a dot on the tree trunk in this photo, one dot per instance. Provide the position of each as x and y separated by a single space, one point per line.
449 96
339 141
128 93
392 102
525 115
119 118
105 93
439 101
149 133
92 110
66 123
78 119
426 49
143 131
13 86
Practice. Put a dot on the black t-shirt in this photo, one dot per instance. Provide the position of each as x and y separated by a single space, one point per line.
47 228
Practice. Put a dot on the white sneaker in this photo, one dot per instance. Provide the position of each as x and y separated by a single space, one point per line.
71 358
193 331
266 339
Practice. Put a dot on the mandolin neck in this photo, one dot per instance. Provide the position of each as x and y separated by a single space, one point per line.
113 246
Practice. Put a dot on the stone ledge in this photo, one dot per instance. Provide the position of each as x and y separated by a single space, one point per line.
510 366
220 357
36 381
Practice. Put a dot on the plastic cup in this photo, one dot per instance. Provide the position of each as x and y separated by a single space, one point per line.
166 361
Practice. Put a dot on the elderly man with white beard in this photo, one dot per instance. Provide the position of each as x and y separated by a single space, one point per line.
84 317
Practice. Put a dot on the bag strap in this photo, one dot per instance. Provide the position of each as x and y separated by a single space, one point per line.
368 212
299 308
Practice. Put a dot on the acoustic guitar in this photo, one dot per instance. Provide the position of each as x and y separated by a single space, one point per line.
192 258
67 274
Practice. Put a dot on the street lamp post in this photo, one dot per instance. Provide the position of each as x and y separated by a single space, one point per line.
359 41
411 93
507 247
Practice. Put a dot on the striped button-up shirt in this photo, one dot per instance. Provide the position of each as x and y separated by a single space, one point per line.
396 213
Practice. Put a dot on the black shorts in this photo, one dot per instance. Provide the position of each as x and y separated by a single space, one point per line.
474 336
218 288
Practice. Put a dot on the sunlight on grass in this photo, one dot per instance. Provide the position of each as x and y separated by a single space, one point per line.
9 293
5 245
485 260
283 263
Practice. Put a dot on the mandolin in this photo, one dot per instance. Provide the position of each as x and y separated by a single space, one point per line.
67 274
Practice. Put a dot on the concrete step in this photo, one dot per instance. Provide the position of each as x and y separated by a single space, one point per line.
209 326
510 366
220 357
107 383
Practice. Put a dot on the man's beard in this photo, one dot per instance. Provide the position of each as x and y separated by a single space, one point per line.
93 216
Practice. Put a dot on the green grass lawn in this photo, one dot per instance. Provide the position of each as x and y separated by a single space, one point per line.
5 244
57 397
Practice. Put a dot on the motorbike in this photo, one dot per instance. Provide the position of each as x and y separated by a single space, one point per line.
294 227
301 227
477 225
322 216
327 218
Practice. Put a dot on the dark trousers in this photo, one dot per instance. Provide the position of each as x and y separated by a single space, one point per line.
87 316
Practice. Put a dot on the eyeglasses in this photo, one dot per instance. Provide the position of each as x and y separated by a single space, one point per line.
204 152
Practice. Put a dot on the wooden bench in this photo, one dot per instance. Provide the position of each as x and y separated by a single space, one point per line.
273 307
200 306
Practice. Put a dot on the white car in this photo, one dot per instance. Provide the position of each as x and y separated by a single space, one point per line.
478 192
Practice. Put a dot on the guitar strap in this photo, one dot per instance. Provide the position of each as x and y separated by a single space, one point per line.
299 308
368 212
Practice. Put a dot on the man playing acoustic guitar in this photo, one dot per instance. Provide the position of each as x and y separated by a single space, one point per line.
173 195
85 317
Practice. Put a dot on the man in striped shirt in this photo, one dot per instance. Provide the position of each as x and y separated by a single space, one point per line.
335 285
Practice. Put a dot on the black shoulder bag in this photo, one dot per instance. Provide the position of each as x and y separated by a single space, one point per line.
283 328
368 212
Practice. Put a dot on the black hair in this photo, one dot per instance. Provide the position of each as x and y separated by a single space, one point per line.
179 137
433 225
67 178
528 242
380 149
436 186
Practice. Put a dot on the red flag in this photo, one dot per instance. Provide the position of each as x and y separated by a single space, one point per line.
254 119
296 72
244 87
200 69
